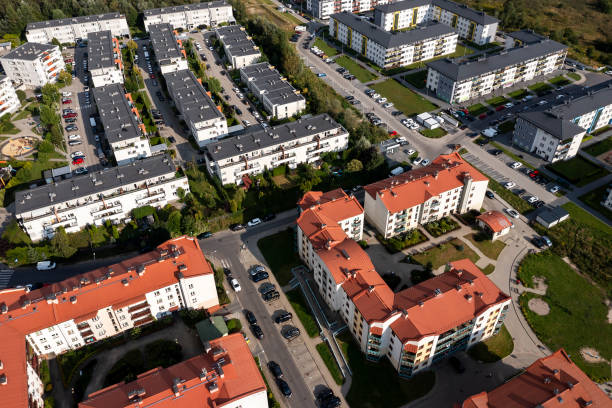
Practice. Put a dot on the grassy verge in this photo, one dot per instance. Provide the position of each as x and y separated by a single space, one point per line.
600 147
433 133
510 154
559 80
323 46
494 348
574 303
445 253
362 74
330 362
578 171
300 305
540 87
594 198
519 94
417 79
402 241
477 109
573 76
279 252
489 269
403 98
497 101
515 201
491 249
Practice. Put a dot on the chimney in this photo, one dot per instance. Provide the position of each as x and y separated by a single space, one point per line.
370 288
73 299
203 374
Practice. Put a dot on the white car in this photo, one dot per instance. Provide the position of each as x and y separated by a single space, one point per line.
425 162
509 105
542 102
81 170
404 122
414 126
235 285
516 165
417 160
381 100
77 154
533 199
388 105
410 152
74 137
554 189
375 95
45 265
66 94
509 184
512 212
254 222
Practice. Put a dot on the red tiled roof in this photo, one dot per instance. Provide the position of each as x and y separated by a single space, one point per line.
376 330
414 187
411 348
241 378
495 220
553 381
334 204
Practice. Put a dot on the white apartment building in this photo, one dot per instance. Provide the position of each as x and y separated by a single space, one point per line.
205 120
473 25
42 323
279 98
94 198
392 49
458 82
401 203
292 143
9 102
167 48
123 128
69 30
104 59
33 64
190 16
322 9
239 48
556 133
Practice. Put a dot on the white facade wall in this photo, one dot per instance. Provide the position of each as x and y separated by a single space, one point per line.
193 18
70 32
9 102
36 72
240 61
208 131
257 400
106 76
485 323
535 140
605 118
126 151
607 199
35 385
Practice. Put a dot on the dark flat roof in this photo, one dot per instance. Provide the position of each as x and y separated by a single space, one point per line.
92 183
389 39
479 17
164 42
197 106
116 114
73 20
270 81
185 7
526 36
29 51
100 49
236 40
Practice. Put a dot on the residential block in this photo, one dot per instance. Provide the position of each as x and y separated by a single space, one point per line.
72 29
240 49
104 59
9 102
167 48
33 64
190 16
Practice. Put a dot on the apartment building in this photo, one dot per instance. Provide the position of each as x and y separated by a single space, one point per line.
123 128
554 380
391 49
72 29
104 59
556 133
303 141
278 97
33 64
9 102
97 197
473 25
205 120
239 48
190 16
403 202
322 9
224 375
413 328
168 48
458 82
42 323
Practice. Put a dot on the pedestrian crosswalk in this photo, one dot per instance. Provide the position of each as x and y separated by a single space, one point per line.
5 277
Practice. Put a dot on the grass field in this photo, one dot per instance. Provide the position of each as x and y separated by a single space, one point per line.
578 171
330 362
575 304
559 80
418 79
491 249
519 94
445 253
403 98
477 109
497 101
327 49
540 87
267 9
362 74
594 198
573 76
300 305
279 251
600 147
433 133
494 348
489 269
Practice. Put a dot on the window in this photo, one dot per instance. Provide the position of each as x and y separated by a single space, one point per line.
160 301
191 286
101 332
99 326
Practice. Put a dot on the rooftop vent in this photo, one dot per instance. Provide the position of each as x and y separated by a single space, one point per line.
125 282
547 380
213 387
141 270
73 299
437 292
3 379
345 254
203 374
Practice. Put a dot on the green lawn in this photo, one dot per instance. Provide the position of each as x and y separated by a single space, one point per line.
7 128
445 253
597 132
300 305
280 253
323 46
376 385
21 115
559 80
362 74
330 362
578 171
578 314
489 269
477 109
494 348
540 87
403 98
491 249
573 76
433 133
497 101
418 79
519 94
600 147
594 198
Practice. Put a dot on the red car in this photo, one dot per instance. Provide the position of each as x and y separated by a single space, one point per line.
66 101
534 173
152 76
77 161
500 108
484 115
70 115
68 60
393 133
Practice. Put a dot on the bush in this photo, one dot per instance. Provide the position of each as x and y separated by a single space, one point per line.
193 316
399 242
234 325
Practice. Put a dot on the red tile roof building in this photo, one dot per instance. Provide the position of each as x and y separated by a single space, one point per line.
553 381
95 305
413 328
403 202
225 375
495 223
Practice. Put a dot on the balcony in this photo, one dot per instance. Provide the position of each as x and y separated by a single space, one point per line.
141 314
138 307
104 210
248 169
146 320
321 148
160 196
287 158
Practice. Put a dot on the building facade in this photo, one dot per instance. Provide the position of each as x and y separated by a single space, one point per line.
33 64
292 143
607 198
205 120
99 304
403 202
278 97
104 59
93 199
322 9
190 16
473 25
9 102
458 82
392 49
69 30
239 48
556 133
413 328
168 48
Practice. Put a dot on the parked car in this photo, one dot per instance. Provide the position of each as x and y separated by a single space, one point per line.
270 296
495 152
236 227
235 285
284 387
321 74
81 170
512 212
283 316
554 189
490 194
255 269
268 217
77 161
205 235
275 369
425 162
70 115
290 333
257 332
259 276
77 154
74 142
254 222
66 101
533 199
538 242
516 165
45 265
509 184
250 316
70 120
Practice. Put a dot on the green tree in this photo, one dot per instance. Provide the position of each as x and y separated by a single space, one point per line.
173 225
55 135
605 6
46 147
21 95
48 116
132 45
214 85
65 77
188 224
57 14
55 41
50 94
61 245
354 166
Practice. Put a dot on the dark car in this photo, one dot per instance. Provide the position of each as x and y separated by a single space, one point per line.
259 276
490 194
268 217
495 152
349 97
491 112
270 296
236 227
71 128
70 120
284 387
283 317
275 369
238 111
457 364
396 113
539 242
291 333
205 235
482 142
172 139
250 316
327 399
472 134
257 332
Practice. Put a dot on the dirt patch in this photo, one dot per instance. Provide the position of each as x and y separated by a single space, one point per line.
21 146
606 157
539 306
540 285
590 355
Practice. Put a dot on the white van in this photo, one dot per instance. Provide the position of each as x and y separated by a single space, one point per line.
45 265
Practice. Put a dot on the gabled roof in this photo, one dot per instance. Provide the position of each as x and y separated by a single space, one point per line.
335 204
495 220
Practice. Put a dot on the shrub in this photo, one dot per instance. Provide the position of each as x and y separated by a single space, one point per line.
234 326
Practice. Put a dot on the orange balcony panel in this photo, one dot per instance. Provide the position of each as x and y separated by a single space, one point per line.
220 109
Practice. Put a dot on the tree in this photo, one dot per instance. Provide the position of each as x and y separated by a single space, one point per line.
61 245
354 166
55 41
188 225
48 116
605 6
46 147
55 136
50 94
214 85
21 95
65 77
132 45
57 14
173 225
